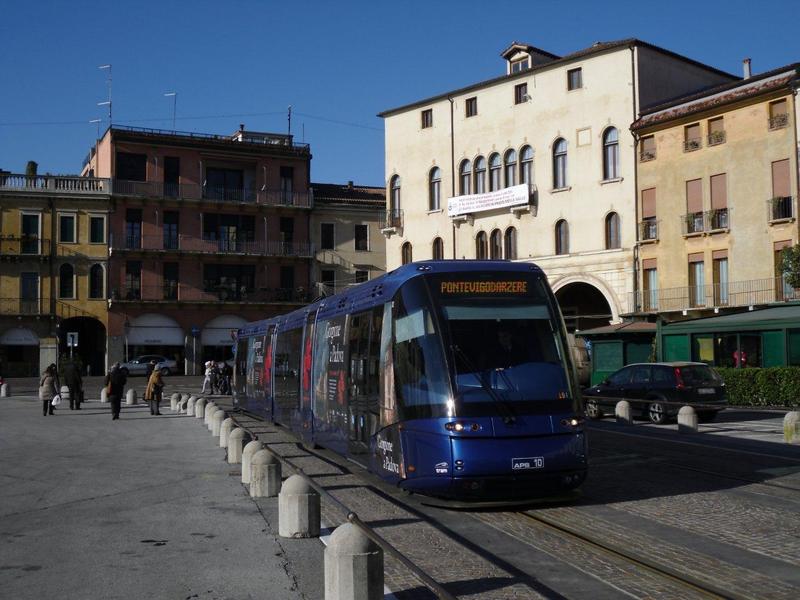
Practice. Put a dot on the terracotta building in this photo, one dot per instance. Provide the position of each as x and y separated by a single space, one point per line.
206 232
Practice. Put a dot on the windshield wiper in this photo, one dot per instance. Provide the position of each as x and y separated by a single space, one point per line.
505 407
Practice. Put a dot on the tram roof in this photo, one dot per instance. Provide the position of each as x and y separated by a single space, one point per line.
376 291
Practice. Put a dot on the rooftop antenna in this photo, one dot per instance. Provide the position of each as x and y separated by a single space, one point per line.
98 121
290 119
108 102
304 133
174 106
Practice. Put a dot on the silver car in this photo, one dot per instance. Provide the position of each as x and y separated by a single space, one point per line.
138 365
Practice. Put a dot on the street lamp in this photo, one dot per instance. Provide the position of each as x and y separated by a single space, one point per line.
174 106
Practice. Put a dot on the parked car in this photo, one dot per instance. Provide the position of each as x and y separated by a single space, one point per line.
138 365
651 387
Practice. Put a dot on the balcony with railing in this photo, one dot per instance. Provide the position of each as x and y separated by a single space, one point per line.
19 307
716 137
693 223
193 191
173 291
197 245
392 221
780 208
647 155
13 182
24 246
716 295
779 121
717 219
648 230
692 144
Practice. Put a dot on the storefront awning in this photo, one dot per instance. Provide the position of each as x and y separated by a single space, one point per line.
19 336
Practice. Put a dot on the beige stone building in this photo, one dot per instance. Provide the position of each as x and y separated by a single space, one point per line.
535 165
718 191
345 230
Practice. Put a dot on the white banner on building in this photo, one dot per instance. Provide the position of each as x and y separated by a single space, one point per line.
472 203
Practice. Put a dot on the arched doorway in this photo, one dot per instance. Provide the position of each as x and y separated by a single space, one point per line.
583 306
19 353
91 349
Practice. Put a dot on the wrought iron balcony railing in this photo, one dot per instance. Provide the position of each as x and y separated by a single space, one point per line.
717 219
693 223
647 155
716 137
779 121
780 208
173 291
193 191
693 144
207 245
648 230
24 245
54 183
392 218
21 306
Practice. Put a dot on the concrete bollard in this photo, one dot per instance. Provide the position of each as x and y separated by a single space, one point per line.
791 427
623 412
353 566
173 401
224 431
216 422
190 406
210 410
247 455
64 393
103 396
130 397
298 509
687 420
200 408
265 475
5 391
236 440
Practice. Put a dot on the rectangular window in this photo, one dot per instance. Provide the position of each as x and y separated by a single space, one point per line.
170 281
650 284
471 107
778 115
287 234
287 185
719 202
781 202
66 229
287 278
31 242
231 232
649 230
225 184
29 293
692 139
97 230
520 93
575 79
229 282
328 278
362 276
520 65
648 148
693 221
327 236
131 167
720 275
697 296
171 229
133 280
716 131
427 118
362 238
172 176
133 228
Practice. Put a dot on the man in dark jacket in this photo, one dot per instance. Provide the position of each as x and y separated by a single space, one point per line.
115 387
74 381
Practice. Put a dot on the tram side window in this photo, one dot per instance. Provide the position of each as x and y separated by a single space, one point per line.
365 345
287 369
241 364
419 368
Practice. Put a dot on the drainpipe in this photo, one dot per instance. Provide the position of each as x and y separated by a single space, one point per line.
635 184
796 161
452 171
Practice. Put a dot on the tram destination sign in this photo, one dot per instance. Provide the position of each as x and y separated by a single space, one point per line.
472 203
494 288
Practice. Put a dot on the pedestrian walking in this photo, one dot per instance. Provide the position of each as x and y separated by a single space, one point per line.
209 373
115 387
74 381
155 387
48 389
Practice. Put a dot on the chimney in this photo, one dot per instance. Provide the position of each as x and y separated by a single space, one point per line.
349 185
241 126
746 67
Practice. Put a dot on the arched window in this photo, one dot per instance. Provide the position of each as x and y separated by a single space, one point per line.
562 237
97 282
610 153
496 245
406 253
435 189
480 246
511 168
495 167
510 243
526 165
438 249
465 172
560 164
66 281
612 231
480 175
394 194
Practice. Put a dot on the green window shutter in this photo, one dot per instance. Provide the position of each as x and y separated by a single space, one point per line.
794 347
606 358
676 347
637 352
773 343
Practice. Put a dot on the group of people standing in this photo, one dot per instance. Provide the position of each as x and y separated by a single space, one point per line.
217 378
50 387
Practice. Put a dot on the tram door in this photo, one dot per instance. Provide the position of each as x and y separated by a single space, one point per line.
364 341
304 422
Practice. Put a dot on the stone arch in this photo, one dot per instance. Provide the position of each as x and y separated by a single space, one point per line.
599 303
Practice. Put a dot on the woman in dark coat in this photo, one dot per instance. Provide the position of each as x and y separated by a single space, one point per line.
48 388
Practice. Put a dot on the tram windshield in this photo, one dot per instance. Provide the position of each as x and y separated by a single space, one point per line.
504 343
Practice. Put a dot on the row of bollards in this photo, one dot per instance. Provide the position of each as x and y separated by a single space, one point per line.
353 562
687 417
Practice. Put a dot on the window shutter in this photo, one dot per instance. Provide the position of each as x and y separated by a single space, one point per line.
719 191
693 132
648 144
719 254
696 257
780 179
715 126
778 246
648 263
777 108
649 203
694 196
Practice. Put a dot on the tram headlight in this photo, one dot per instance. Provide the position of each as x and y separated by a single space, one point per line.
460 427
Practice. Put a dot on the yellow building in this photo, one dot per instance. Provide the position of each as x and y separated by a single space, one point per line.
53 262
717 196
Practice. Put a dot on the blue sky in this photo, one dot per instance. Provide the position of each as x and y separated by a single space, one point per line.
336 63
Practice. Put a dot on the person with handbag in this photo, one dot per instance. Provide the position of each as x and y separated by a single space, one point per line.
155 387
115 387
48 389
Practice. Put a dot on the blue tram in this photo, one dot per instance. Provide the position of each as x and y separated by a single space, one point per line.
448 378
